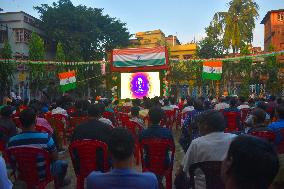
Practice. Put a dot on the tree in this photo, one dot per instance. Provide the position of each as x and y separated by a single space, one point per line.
210 48
6 51
85 33
36 47
236 26
60 56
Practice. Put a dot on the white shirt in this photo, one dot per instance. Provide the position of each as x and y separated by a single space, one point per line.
188 109
211 147
174 106
5 183
221 106
243 106
106 121
59 110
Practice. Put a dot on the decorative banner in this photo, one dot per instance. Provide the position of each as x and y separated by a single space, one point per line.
212 70
67 80
139 59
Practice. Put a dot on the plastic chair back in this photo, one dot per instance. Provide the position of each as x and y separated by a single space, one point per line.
154 157
231 121
84 158
17 122
168 119
280 147
25 161
268 135
110 116
212 172
244 114
42 129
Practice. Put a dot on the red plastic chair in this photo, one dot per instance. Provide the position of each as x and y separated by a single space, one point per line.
268 135
135 130
83 155
280 147
42 129
25 159
125 109
111 117
74 122
156 150
4 132
244 114
231 121
168 120
60 123
17 122
123 119
212 172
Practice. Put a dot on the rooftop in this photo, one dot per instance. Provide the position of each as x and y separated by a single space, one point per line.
268 14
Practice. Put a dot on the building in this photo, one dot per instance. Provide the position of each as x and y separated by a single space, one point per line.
16 28
274 30
157 38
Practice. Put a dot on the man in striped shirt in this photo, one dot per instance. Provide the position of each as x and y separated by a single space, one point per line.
30 137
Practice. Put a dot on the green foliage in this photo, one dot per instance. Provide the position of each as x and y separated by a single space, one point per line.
210 48
236 26
60 56
36 47
6 52
6 75
85 33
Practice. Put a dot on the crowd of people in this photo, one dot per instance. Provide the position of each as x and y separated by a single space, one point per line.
211 130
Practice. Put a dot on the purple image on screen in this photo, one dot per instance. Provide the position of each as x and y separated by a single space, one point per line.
139 85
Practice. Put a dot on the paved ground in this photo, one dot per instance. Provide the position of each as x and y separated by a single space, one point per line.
178 157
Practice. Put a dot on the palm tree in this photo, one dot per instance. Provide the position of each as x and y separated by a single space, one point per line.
236 26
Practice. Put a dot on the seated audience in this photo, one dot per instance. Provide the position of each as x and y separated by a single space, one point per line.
155 131
189 128
167 105
123 175
7 123
258 121
221 105
5 183
188 106
59 109
127 102
135 116
263 105
93 129
211 146
108 107
81 108
279 124
251 163
103 119
243 104
29 137
233 108
173 103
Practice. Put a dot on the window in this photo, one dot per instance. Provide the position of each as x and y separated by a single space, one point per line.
280 16
26 19
3 36
22 35
19 35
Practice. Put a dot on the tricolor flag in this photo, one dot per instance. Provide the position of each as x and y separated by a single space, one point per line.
67 80
138 57
212 70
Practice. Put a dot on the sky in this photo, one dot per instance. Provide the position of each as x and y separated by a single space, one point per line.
184 18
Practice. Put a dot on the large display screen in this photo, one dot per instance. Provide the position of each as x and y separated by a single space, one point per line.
140 84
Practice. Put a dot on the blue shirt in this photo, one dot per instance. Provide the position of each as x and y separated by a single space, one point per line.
34 139
156 131
276 126
122 179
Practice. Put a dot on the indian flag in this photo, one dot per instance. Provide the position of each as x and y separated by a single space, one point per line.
137 57
67 80
212 70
